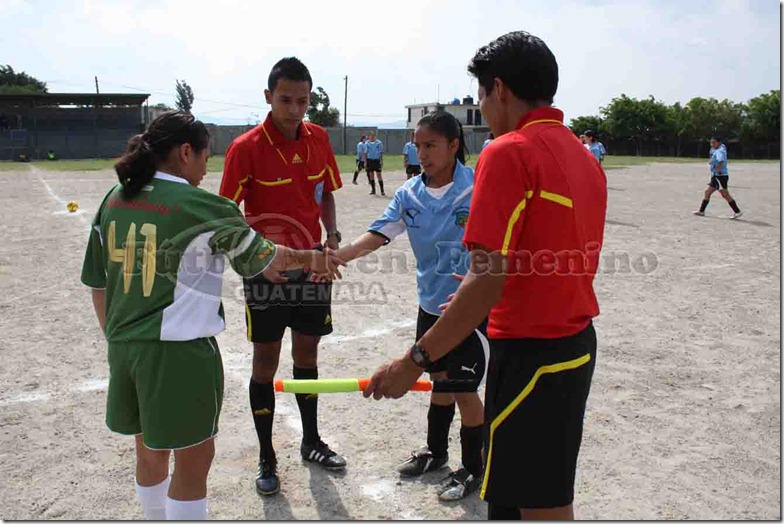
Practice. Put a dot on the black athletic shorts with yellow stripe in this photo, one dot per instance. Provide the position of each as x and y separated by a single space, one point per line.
535 405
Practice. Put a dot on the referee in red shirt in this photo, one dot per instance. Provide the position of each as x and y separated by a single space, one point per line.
535 230
285 171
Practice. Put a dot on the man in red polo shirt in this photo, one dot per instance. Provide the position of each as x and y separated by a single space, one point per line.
285 172
535 230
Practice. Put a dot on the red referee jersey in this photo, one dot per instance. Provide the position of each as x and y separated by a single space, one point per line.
540 199
282 181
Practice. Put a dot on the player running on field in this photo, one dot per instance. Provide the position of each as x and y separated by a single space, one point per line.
154 259
410 159
720 179
433 210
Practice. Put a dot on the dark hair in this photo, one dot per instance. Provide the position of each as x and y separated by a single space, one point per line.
363 137
490 136
590 134
146 151
717 139
290 68
447 125
522 61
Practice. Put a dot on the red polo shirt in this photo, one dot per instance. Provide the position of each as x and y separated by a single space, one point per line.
282 181
540 199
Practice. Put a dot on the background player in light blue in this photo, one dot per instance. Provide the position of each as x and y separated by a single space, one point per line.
410 159
433 209
594 146
375 162
361 152
486 143
720 179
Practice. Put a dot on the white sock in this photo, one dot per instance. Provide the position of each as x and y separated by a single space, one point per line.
186 509
153 499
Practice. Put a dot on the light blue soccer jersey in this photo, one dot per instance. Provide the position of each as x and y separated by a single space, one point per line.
435 228
374 149
361 150
410 152
485 144
597 148
719 155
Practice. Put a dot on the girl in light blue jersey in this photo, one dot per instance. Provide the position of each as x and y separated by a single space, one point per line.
433 209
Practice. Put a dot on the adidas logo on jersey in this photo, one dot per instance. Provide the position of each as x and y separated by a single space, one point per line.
297 159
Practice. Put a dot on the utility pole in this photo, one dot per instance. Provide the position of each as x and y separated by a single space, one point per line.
345 116
96 86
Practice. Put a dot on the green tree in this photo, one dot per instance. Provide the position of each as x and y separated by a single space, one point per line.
161 105
639 120
12 82
319 111
679 125
762 118
184 96
708 116
582 124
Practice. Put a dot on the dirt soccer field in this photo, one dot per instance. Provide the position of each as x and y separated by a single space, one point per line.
683 419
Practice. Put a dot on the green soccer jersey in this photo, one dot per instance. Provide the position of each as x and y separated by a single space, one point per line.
160 256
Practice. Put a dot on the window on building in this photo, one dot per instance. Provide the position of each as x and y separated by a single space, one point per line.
409 115
470 117
424 111
478 117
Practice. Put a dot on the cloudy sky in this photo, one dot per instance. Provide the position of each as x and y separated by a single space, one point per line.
394 53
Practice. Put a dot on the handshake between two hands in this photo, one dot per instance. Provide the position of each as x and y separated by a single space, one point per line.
323 265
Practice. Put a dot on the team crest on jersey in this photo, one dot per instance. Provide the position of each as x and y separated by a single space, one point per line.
297 159
461 216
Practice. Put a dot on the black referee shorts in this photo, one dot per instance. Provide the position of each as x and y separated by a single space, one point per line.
305 307
535 405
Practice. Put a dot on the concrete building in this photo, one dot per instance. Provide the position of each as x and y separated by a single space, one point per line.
466 112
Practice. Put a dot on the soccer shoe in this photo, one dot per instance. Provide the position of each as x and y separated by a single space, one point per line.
736 215
698 213
421 461
458 485
267 478
322 455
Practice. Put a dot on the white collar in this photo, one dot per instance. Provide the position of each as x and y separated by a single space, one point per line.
160 175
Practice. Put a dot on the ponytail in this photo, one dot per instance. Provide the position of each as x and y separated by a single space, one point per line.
147 151
136 167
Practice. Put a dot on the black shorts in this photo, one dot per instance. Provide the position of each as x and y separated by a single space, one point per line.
719 181
535 404
373 165
468 361
413 169
305 307
360 165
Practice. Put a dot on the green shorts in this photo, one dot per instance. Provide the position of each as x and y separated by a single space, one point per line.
169 392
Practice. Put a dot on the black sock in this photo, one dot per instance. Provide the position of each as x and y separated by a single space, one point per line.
372 185
381 184
370 178
734 206
704 205
496 512
262 405
471 444
439 419
308 407
356 174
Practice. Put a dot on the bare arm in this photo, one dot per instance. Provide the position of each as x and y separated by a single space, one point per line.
328 213
99 304
364 244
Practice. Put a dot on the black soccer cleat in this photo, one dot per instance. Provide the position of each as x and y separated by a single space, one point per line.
421 461
267 482
321 454
458 485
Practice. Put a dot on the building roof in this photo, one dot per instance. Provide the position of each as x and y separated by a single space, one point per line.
442 104
63 99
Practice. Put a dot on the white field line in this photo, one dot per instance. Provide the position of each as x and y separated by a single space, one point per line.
62 203
40 396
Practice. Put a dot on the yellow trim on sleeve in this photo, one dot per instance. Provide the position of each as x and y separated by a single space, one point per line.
555 197
316 177
240 187
511 224
551 368
274 183
542 121
332 177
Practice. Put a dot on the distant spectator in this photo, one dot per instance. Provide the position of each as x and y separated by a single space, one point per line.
594 146
490 138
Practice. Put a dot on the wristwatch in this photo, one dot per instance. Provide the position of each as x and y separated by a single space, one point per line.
337 235
420 356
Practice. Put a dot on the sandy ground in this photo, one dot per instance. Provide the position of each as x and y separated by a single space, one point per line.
683 418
